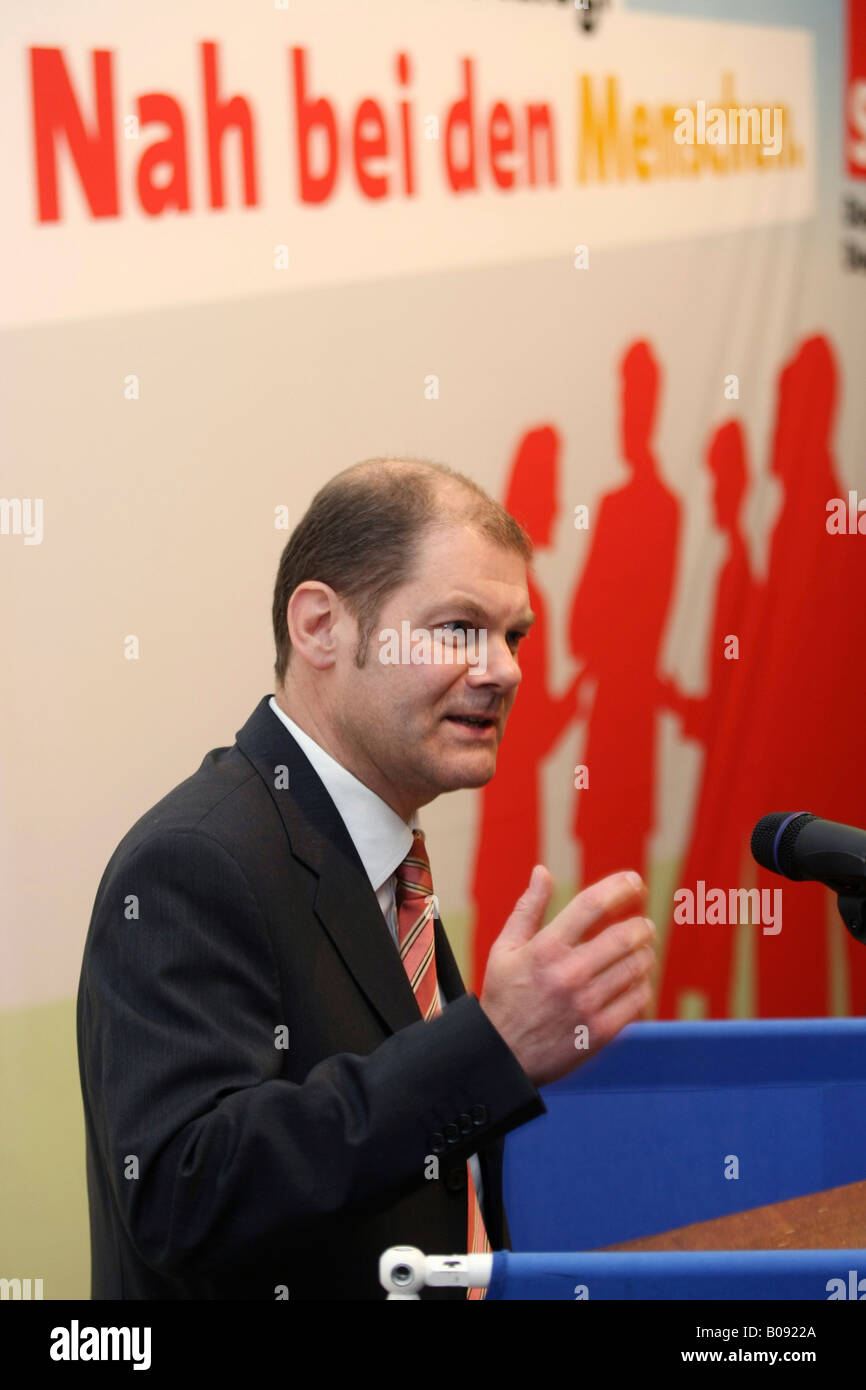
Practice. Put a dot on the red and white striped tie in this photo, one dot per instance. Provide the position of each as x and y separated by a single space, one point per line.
416 941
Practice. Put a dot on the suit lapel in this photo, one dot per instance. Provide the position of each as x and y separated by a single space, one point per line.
345 902
348 909
450 981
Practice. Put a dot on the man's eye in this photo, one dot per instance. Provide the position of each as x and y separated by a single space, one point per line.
513 638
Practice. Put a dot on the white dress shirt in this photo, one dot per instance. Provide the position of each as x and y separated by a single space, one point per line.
381 837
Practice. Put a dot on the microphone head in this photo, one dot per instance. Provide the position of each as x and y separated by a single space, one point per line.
773 841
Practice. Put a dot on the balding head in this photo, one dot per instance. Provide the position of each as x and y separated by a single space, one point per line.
362 530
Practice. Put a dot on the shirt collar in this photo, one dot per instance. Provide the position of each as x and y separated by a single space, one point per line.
381 837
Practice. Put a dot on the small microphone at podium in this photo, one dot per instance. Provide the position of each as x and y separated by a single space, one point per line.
803 847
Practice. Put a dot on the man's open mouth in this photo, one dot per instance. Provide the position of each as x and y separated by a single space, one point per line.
475 721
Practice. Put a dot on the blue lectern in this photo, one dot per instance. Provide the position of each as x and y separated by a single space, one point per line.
676 1123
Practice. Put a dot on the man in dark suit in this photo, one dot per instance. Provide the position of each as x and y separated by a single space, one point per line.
270 1100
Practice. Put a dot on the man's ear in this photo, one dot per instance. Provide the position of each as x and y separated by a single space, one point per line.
312 615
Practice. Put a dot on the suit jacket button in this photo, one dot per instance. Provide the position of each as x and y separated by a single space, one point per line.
437 1142
455 1178
452 1133
465 1122
479 1114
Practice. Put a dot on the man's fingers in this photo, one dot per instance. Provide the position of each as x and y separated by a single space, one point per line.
610 900
616 943
626 1008
529 910
625 974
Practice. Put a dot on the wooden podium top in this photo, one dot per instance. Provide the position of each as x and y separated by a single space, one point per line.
831 1220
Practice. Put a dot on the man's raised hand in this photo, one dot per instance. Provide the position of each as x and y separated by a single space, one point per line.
544 985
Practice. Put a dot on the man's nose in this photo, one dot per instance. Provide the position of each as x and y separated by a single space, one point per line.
495 666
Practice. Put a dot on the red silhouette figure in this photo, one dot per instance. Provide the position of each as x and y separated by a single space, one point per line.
799 728
617 621
700 957
509 840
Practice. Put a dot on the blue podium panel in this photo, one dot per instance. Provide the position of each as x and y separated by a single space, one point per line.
675 1123
711 1275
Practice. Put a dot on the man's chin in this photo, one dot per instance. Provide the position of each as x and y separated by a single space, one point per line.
475 771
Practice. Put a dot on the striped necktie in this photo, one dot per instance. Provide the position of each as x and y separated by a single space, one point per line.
415 938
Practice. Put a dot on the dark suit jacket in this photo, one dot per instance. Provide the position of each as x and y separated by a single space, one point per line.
221 1164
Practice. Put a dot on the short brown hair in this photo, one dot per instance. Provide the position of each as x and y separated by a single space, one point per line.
362 531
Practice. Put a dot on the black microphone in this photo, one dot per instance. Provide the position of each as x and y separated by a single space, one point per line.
800 846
